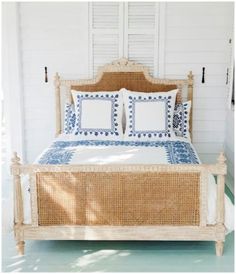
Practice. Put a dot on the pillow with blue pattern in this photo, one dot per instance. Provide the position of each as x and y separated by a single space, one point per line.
98 115
149 116
69 118
181 119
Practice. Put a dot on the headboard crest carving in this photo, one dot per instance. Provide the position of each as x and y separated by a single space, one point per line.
121 73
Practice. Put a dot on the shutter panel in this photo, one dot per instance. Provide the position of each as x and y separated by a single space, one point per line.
141 15
105 49
141 33
105 33
105 15
123 29
141 49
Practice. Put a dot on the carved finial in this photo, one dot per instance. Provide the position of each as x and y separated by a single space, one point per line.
190 75
57 80
15 160
190 79
221 159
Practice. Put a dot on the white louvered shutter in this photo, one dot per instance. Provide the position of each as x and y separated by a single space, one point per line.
105 33
141 33
123 30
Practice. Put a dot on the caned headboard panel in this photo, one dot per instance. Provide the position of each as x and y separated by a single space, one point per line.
134 81
119 74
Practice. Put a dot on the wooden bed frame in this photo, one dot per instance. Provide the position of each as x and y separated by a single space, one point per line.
46 178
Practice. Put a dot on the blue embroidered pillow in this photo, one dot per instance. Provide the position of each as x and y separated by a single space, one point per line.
149 116
69 118
98 115
181 119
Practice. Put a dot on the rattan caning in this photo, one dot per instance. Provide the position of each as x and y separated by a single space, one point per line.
115 199
134 81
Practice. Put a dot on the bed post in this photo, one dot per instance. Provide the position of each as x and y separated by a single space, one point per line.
18 204
220 206
190 98
58 103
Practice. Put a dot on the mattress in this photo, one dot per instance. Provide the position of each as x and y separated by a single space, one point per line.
66 149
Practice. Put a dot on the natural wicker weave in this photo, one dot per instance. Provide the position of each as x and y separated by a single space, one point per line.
101 198
134 81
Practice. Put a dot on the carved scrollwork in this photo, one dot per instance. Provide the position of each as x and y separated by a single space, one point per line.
123 62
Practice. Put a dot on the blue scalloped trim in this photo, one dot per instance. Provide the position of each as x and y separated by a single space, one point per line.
133 99
113 131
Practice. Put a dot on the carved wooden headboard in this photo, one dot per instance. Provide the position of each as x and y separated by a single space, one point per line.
119 74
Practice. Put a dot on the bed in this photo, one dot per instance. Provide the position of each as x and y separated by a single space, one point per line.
83 189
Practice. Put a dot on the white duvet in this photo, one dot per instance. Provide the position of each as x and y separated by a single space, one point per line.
67 150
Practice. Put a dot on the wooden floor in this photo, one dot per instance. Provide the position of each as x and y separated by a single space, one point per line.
79 256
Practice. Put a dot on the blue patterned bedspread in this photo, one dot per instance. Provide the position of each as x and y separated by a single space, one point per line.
66 152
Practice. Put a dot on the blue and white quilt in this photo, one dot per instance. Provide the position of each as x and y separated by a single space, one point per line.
66 149
119 152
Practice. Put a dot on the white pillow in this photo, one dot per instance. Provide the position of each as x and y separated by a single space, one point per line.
98 115
149 116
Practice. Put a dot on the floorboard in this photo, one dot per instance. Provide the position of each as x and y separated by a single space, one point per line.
110 256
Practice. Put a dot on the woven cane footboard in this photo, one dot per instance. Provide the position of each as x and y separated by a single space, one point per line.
118 198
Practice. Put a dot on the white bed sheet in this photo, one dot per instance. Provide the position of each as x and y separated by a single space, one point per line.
102 155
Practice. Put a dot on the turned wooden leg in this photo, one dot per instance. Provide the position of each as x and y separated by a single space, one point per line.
20 246
219 248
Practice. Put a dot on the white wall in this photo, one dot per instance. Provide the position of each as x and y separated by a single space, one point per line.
229 141
197 35
193 35
12 81
53 35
